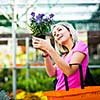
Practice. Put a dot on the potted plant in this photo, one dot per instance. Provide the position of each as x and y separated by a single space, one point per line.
40 24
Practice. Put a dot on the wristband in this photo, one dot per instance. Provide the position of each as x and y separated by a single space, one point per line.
45 55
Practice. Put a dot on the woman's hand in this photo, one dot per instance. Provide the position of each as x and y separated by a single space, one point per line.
42 44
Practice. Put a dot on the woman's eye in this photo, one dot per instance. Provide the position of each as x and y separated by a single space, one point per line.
59 29
54 34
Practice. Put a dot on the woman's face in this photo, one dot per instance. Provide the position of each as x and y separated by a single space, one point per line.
61 34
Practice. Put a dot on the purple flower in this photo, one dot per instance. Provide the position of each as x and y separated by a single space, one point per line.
33 14
38 20
40 16
51 15
40 24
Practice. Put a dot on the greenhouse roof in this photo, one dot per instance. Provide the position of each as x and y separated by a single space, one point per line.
67 10
63 9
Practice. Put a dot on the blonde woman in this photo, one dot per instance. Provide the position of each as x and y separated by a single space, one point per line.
68 50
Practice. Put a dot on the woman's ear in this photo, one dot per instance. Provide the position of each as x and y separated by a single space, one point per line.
71 35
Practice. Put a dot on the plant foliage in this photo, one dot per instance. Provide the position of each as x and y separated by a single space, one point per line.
40 24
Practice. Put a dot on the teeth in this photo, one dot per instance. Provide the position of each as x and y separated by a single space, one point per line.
59 37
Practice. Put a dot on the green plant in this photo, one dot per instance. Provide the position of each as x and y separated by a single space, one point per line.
40 24
38 80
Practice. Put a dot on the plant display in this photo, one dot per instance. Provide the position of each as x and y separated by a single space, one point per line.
40 24
38 83
23 95
4 95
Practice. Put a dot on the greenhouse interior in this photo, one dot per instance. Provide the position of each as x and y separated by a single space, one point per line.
22 69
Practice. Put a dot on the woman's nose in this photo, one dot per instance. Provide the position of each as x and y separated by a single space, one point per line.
57 34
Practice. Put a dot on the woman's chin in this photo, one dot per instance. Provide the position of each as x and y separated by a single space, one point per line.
60 42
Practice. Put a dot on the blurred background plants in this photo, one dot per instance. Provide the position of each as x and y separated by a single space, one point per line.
37 83
38 79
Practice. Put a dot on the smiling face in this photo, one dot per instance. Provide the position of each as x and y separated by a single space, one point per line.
61 34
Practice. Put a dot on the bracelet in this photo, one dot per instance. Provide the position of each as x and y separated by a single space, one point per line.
45 55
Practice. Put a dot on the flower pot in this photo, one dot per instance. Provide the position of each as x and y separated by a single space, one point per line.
41 36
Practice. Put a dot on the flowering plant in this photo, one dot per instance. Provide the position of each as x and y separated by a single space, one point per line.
40 24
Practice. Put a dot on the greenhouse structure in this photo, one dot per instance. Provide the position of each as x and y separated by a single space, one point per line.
22 68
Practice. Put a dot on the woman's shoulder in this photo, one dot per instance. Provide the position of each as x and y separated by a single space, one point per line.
81 42
81 46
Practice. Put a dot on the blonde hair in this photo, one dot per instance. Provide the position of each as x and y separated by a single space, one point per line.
60 48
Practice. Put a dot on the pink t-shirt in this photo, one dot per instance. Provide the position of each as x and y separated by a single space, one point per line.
73 80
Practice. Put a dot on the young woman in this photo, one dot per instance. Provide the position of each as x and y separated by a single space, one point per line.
73 52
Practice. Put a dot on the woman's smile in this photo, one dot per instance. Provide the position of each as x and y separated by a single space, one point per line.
59 37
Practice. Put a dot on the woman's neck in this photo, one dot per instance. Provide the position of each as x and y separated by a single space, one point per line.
69 44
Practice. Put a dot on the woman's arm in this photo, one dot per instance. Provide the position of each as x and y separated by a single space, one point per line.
43 46
50 68
64 66
59 61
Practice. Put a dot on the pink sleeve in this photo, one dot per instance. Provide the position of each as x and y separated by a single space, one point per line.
81 47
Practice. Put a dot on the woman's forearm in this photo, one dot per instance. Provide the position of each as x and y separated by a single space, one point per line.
49 66
60 62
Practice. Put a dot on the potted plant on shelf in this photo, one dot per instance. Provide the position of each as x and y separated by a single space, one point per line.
40 24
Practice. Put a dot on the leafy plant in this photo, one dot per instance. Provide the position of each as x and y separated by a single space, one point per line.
38 81
40 24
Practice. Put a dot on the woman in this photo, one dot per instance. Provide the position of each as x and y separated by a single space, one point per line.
72 50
